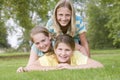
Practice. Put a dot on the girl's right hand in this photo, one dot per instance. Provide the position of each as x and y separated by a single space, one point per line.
20 69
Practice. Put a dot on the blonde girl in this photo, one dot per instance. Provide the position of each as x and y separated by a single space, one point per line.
64 21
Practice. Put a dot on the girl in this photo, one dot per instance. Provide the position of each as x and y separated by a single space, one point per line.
42 41
65 57
64 21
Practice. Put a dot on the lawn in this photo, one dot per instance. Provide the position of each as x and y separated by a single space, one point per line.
110 58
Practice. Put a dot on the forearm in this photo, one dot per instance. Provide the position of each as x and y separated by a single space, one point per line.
84 43
32 58
84 67
86 46
38 68
90 64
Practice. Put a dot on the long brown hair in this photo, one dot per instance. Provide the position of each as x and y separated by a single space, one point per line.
65 38
39 29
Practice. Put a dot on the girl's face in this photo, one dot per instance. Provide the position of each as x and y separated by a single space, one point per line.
63 16
42 42
63 53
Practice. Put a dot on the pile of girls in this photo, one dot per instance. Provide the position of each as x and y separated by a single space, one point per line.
61 44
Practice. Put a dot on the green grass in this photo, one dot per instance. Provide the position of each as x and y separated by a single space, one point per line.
110 59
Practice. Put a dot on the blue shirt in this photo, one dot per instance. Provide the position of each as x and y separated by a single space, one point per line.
80 28
37 51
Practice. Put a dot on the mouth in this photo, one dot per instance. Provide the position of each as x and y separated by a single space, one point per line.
43 48
63 57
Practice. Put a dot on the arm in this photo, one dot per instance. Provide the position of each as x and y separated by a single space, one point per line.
35 66
81 49
90 64
84 43
32 58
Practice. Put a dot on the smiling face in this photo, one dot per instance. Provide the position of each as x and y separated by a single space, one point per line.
63 53
42 42
63 16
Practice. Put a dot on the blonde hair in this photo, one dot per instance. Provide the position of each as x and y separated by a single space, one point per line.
67 39
68 4
39 29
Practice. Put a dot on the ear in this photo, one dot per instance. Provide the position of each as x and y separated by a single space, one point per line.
50 37
54 50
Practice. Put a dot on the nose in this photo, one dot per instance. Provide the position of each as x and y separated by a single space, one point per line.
41 45
63 17
63 52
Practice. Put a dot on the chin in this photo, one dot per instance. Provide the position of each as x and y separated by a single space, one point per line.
44 50
63 25
63 61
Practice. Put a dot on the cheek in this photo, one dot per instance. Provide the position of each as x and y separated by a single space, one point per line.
69 18
57 18
57 52
37 46
47 42
70 53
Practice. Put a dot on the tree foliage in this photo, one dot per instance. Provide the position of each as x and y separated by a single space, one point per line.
103 19
22 12
113 24
3 31
97 19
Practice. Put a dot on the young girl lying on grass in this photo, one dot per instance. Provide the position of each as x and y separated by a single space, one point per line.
42 44
64 57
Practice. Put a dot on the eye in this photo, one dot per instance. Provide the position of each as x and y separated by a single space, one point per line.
37 43
60 14
68 50
59 48
43 40
67 15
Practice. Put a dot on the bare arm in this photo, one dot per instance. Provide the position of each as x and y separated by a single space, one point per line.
90 64
84 43
35 66
81 49
32 58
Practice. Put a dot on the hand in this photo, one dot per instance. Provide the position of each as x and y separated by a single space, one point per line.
81 49
21 69
63 66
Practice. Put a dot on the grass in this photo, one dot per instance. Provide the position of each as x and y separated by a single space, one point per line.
110 59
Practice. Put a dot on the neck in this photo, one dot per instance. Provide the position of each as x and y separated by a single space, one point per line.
64 29
50 49
68 62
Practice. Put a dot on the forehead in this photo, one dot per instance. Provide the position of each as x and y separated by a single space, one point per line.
38 36
63 45
63 10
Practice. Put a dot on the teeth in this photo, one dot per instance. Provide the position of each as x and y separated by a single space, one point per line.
63 57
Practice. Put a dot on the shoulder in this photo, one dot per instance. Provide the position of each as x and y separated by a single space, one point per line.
48 60
36 50
49 25
78 18
49 22
78 58
77 53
